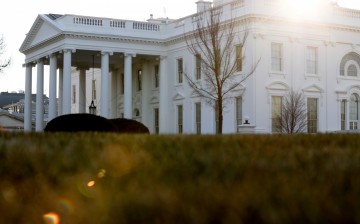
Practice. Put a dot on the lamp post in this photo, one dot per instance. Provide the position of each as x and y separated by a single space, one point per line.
92 107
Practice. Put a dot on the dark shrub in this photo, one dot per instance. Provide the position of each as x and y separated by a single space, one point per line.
129 126
80 122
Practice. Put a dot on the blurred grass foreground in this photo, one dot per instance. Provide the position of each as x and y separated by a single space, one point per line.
112 178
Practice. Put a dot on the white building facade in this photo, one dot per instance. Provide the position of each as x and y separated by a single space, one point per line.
135 69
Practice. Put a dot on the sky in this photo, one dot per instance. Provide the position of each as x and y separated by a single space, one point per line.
17 17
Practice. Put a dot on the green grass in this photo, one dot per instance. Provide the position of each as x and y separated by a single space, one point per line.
179 179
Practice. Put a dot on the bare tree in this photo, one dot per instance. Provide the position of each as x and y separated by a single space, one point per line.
293 116
3 63
214 42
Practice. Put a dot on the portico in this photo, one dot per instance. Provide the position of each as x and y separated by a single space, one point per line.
65 64
98 67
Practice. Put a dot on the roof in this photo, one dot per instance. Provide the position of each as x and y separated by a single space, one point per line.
7 98
54 16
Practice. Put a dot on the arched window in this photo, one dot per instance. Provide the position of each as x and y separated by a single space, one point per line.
352 70
350 64
354 112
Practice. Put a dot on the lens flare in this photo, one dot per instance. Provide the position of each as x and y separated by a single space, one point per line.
101 173
91 183
51 218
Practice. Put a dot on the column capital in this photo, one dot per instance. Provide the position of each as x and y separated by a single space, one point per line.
29 64
39 60
162 57
107 52
54 54
128 54
68 50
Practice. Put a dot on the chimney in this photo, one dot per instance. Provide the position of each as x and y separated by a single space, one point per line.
203 5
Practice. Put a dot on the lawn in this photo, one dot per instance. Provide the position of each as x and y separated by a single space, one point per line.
110 178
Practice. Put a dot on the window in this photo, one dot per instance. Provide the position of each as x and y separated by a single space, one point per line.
354 112
180 70
156 73
198 118
122 83
276 107
238 104
73 94
276 57
352 70
343 116
198 66
156 120
349 64
311 60
180 118
93 91
312 114
239 58
139 79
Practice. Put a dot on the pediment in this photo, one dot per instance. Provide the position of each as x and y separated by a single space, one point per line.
278 86
354 88
178 96
42 30
154 100
313 89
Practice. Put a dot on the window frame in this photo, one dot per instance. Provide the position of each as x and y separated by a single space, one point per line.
198 67
197 117
180 70
156 76
239 57
180 118
73 94
156 120
312 123
275 128
277 58
312 60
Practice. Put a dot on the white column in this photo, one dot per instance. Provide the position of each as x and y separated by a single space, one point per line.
128 86
52 87
163 110
82 90
119 93
113 102
145 93
39 96
28 98
104 98
66 108
61 90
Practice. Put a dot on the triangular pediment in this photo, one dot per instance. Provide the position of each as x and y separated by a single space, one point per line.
178 96
278 86
313 89
42 30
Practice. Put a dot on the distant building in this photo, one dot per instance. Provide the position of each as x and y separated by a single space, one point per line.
7 98
136 69
12 122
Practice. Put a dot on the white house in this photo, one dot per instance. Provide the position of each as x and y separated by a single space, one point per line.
134 69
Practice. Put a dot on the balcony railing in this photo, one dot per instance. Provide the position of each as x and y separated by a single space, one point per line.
122 24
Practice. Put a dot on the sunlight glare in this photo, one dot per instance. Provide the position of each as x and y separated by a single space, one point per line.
301 9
